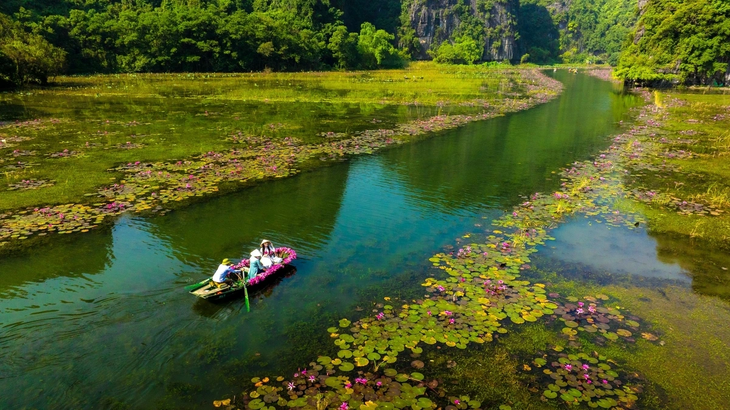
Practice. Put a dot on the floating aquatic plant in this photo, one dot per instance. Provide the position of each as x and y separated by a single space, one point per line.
156 187
482 295
27 184
579 378
589 315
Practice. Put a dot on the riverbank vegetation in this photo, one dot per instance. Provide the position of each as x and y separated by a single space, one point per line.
682 181
68 174
679 42
566 342
666 41
26 58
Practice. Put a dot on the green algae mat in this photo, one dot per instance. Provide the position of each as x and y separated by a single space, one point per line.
480 295
166 140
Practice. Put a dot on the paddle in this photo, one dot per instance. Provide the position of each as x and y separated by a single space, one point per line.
245 291
195 286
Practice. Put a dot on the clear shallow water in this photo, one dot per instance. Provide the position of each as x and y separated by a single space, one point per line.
612 249
102 321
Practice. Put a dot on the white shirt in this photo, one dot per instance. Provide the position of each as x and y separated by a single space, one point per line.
220 275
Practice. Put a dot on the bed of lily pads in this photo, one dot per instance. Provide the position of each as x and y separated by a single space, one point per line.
479 294
160 186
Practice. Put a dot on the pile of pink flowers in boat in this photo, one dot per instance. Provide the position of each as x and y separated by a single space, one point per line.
287 255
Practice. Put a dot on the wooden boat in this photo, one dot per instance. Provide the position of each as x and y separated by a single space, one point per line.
207 289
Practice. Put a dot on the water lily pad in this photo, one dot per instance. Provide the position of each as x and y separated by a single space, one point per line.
390 372
346 366
623 333
256 404
516 319
550 394
417 376
648 336
632 323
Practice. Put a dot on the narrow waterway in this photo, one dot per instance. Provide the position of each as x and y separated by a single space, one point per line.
102 321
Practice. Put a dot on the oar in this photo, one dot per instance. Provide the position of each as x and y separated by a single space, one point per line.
195 286
245 291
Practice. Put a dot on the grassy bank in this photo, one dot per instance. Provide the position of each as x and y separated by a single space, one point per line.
484 337
114 144
681 178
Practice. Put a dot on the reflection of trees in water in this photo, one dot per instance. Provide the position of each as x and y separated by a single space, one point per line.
69 256
704 262
586 273
299 212
502 158
15 109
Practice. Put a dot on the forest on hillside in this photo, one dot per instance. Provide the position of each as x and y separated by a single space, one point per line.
667 40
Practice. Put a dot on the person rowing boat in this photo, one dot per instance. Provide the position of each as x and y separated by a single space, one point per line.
250 272
224 273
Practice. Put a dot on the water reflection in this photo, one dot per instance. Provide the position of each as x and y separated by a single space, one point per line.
124 333
210 309
485 164
708 268
299 212
606 249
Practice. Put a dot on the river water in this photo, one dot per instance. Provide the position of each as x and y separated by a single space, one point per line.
102 321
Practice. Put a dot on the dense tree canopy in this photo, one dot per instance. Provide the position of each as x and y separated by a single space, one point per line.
577 30
679 40
202 35
26 57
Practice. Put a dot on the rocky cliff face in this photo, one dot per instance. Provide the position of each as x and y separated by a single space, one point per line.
436 21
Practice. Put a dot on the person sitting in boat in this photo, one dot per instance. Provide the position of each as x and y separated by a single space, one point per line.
224 273
255 266
268 250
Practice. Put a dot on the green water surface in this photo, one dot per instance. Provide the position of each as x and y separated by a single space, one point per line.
102 321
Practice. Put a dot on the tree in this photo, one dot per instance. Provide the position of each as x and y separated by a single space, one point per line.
376 48
26 57
685 41
343 46
465 50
